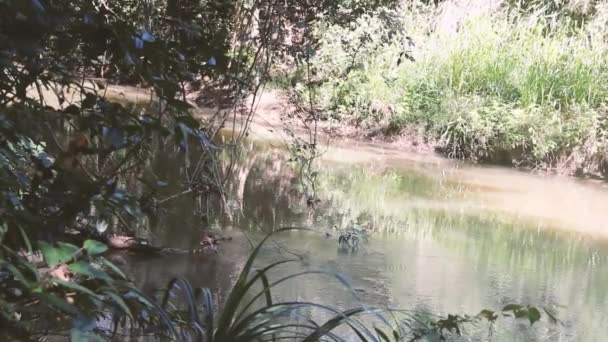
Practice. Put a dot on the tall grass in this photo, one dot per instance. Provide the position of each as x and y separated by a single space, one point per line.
503 85
530 60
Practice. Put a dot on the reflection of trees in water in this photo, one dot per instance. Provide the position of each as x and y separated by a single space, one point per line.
265 193
176 198
261 189
216 272
265 190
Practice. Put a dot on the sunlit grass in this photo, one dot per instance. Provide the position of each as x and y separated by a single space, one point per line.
504 86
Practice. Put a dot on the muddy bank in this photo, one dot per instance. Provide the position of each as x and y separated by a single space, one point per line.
267 116
274 111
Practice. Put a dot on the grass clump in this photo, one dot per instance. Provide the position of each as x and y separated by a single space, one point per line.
497 84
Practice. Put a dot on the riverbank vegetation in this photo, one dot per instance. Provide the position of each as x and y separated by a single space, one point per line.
83 173
520 83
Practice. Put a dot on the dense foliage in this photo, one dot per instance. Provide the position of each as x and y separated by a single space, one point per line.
519 83
73 159
76 160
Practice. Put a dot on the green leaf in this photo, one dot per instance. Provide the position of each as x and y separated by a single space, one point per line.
241 286
205 297
120 302
113 267
189 296
58 303
149 302
26 240
15 272
533 315
74 286
337 320
383 336
94 247
267 288
55 255
85 269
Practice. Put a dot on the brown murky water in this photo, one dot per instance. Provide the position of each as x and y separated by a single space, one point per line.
450 238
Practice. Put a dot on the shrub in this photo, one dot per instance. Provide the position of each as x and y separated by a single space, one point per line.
531 84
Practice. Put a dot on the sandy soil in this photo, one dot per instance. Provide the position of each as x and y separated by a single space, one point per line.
271 118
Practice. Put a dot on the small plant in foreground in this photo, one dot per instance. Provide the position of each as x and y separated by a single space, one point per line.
252 314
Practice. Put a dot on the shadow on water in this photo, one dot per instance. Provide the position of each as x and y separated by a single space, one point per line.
446 240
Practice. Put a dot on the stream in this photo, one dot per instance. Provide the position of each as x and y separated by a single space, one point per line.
448 237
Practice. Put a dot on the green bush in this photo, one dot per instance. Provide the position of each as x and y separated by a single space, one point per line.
530 85
74 163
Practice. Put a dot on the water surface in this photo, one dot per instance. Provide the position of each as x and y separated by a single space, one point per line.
448 238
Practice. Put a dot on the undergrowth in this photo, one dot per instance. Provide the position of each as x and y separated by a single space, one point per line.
490 84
